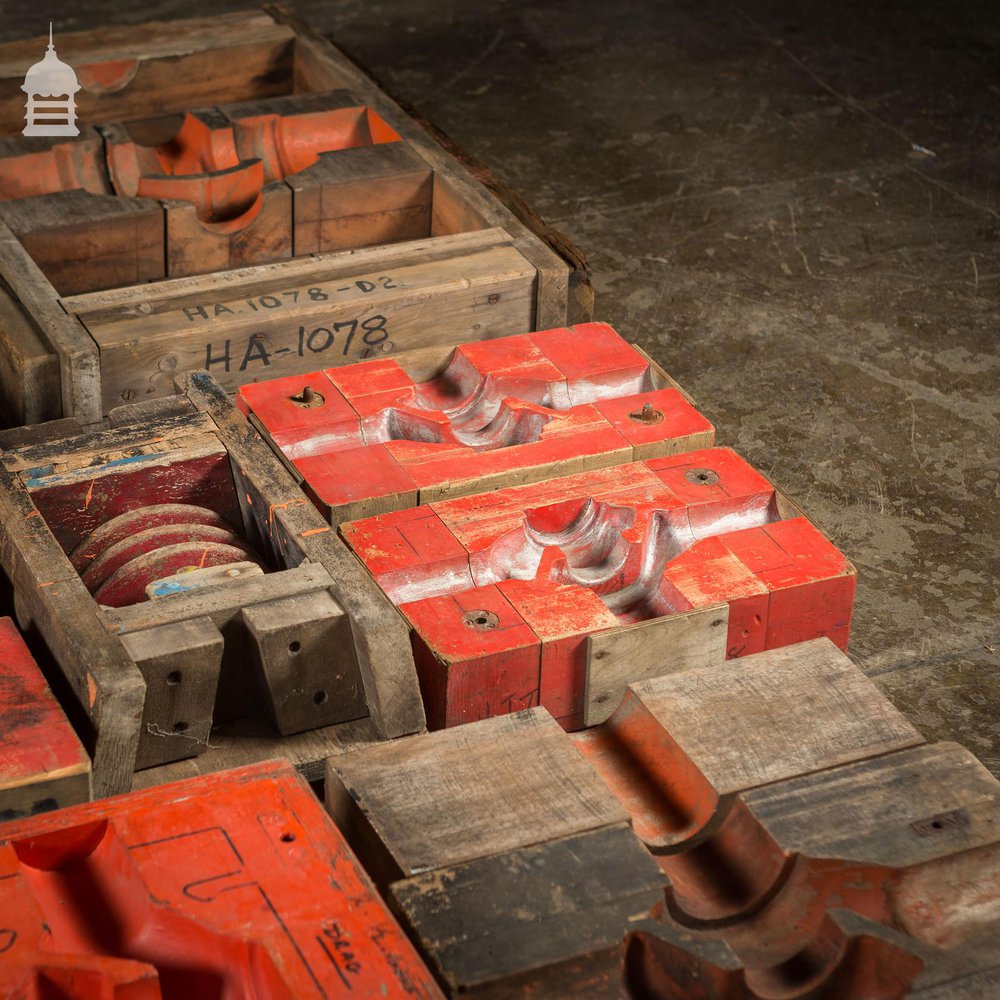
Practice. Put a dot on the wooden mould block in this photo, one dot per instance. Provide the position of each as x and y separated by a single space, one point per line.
814 846
43 765
288 648
907 843
498 831
228 885
563 592
103 302
388 434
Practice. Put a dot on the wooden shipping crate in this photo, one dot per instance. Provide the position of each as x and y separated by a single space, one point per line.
561 593
428 425
232 885
329 223
181 579
810 843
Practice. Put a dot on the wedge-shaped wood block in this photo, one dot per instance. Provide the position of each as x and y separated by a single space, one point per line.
385 435
244 200
545 920
43 765
565 591
229 885
92 524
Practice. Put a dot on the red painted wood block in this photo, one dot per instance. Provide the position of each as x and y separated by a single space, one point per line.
592 552
356 479
410 553
233 885
476 657
43 765
300 421
561 617
514 409
811 583
594 358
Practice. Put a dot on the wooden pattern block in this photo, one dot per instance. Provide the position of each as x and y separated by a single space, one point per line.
906 843
503 853
387 434
43 765
545 920
433 801
591 581
228 885
307 644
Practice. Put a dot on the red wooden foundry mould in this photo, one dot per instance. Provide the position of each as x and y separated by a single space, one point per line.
232 885
559 593
392 433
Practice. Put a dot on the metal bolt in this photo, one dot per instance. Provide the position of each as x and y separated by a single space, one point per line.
647 415
309 398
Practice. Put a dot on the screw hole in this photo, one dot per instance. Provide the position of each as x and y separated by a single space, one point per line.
180 727
480 620
321 697
294 646
174 677
287 838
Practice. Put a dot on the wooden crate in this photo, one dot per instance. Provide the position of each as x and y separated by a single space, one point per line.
562 592
810 843
309 648
428 425
426 253
233 885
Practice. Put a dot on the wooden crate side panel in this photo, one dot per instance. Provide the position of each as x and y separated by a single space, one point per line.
29 369
50 593
320 65
79 358
162 67
316 313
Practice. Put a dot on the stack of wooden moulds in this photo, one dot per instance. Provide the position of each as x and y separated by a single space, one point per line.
652 771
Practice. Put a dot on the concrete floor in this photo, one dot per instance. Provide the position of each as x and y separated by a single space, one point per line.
791 206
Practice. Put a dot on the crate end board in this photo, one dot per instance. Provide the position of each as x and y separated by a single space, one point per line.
522 284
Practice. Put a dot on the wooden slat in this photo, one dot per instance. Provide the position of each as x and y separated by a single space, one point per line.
310 312
620 656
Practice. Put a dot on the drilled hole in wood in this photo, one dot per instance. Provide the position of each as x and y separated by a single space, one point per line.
480 620
704 477
294 646
287 838
320 697
180 727
173 678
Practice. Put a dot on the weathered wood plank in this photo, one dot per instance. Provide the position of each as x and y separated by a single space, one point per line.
441 799
629 653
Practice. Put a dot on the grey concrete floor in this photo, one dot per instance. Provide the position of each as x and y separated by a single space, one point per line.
793 207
